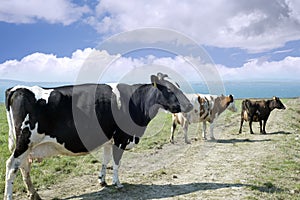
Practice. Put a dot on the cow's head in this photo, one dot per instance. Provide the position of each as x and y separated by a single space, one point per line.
170 97
231 105
276 103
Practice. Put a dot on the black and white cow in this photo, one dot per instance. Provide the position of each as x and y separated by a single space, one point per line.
74 120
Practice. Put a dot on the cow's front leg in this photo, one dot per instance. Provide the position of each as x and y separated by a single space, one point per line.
185 130
173 128
107 154
264 127
117 155
204 130
241 125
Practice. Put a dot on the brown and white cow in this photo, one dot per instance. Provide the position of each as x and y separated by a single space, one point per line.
258 111
206 108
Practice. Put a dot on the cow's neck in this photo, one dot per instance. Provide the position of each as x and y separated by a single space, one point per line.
270 105
220 105
145 104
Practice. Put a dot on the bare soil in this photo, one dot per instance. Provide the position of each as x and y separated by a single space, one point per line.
221 169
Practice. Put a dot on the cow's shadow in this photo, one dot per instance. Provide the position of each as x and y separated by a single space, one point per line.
142 191
279 132
232 141
130 191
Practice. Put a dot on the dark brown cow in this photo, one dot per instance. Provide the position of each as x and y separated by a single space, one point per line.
258 111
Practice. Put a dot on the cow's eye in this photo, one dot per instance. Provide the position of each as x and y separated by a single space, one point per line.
169 90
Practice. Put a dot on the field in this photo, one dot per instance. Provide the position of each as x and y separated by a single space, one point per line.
232 167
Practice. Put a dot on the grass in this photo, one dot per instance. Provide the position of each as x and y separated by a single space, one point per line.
276 178
279 175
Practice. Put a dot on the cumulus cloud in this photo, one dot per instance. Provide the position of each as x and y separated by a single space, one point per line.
44 67
257 26
54 11
284 70
113 68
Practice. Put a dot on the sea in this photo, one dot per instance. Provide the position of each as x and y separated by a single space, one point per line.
239 89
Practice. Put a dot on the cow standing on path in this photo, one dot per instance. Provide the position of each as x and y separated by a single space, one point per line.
74 120
206 108
258 111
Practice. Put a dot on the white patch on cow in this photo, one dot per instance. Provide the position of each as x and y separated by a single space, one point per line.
116 180
245 115
116 91
39 93
172 81
11 130
26 120
232 107
131 144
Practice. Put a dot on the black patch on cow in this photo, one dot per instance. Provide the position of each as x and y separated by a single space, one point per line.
22 143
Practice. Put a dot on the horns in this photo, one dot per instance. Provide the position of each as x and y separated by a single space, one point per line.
161 76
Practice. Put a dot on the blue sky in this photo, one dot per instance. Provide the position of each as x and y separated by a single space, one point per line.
47 39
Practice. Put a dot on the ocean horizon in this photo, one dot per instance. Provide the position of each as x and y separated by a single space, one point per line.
239 89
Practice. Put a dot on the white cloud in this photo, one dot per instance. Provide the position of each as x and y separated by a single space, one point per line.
255 69
29 11
49 68
257 26
44 67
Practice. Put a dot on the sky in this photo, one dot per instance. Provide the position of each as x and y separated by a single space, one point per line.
244 40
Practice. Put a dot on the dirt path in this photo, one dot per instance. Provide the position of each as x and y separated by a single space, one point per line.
220 169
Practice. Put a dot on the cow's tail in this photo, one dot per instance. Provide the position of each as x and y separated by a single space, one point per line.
11 125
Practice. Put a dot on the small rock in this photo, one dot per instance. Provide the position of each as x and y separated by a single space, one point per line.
175 176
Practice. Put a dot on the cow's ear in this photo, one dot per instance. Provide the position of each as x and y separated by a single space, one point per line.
274 98
231 98
154 80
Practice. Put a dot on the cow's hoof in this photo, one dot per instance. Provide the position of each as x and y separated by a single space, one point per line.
103 184
172 141
204 138
212 138
118 185
187 141
35 196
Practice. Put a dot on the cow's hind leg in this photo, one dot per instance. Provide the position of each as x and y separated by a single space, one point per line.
107 154
25 170
250 125
117 155
260 127
13 164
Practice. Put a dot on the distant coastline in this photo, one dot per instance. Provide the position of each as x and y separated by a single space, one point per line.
240 89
